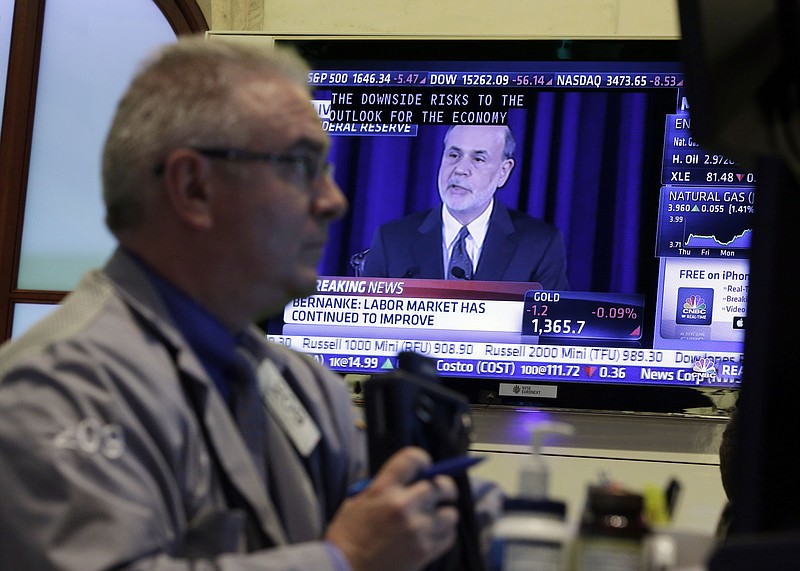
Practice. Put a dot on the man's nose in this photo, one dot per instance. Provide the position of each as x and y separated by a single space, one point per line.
461 166
331 203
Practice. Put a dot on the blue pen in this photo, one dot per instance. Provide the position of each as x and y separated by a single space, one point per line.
448 467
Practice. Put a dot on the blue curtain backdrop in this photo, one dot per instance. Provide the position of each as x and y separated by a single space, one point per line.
587 162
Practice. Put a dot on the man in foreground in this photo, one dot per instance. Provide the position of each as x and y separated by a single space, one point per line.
147 424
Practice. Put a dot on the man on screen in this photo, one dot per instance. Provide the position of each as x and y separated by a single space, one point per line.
472 236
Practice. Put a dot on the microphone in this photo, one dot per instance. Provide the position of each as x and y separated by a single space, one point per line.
411 272
459 273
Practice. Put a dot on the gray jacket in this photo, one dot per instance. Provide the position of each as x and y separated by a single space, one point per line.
103 459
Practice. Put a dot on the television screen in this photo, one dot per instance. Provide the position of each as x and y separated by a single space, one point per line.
605 263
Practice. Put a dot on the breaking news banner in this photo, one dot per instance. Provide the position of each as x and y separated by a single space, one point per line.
432 309
462 311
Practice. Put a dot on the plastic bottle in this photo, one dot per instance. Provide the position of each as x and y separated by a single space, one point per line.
532 535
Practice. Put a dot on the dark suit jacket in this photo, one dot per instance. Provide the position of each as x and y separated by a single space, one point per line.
518 248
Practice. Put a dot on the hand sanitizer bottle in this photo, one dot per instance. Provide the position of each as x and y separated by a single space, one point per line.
532 535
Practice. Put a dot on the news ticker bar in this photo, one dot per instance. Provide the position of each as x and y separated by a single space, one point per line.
527 78
510 361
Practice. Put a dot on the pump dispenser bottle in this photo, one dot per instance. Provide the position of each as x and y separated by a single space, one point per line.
532 535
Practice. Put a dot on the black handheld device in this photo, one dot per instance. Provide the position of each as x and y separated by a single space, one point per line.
410 407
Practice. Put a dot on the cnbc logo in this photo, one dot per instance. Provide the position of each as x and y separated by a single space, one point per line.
705 367
695 305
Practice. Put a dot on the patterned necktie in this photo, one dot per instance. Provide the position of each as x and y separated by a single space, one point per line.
460 267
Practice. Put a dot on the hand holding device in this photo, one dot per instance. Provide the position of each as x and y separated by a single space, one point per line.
398 524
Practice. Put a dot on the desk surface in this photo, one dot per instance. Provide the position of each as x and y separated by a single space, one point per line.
628 436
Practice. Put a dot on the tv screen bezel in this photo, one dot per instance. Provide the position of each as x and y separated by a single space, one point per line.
607 397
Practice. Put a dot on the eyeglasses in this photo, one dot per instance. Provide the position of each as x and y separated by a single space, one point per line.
307 167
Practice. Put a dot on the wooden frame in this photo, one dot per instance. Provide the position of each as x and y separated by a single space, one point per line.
184 16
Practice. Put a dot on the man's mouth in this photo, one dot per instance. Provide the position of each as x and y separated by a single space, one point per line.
315 247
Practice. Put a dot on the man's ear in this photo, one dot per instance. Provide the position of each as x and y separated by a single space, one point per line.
504 172
187 178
